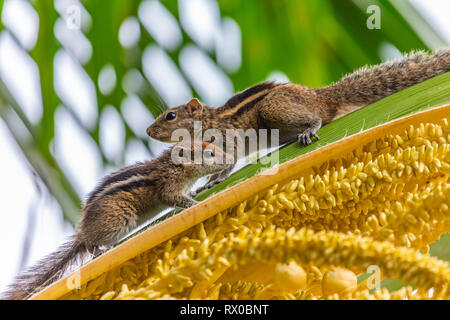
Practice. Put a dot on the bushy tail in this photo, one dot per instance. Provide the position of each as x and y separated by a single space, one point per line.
370 84
46 271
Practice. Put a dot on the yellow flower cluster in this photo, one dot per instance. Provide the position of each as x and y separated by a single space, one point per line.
309 237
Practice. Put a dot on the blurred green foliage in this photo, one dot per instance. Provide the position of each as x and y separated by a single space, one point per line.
314 42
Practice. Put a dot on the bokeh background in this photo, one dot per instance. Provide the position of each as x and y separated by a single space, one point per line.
81 80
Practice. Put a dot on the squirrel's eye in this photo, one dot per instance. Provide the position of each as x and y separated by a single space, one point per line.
209 154
171 116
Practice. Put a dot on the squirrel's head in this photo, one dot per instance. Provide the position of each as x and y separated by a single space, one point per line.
200 158
181 117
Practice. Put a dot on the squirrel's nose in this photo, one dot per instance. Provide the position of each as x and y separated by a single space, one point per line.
149 131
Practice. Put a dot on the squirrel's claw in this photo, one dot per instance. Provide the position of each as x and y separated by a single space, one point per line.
305 138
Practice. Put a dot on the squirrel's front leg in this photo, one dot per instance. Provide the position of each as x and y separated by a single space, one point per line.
213 180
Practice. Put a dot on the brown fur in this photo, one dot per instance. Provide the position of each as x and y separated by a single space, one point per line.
293 107
115 207
298 111
370 84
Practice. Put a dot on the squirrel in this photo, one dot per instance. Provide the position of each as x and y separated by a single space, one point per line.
119 203
298 111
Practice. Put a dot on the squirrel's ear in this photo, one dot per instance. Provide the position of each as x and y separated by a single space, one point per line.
195 105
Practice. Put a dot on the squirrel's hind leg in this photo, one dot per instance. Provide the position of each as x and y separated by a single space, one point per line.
293 123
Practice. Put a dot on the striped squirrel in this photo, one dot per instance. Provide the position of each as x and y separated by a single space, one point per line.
120 202
298 111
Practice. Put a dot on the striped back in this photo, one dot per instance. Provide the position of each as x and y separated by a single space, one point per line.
245 100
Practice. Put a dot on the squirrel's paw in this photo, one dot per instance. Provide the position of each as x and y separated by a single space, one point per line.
186 204
193 203
305 138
